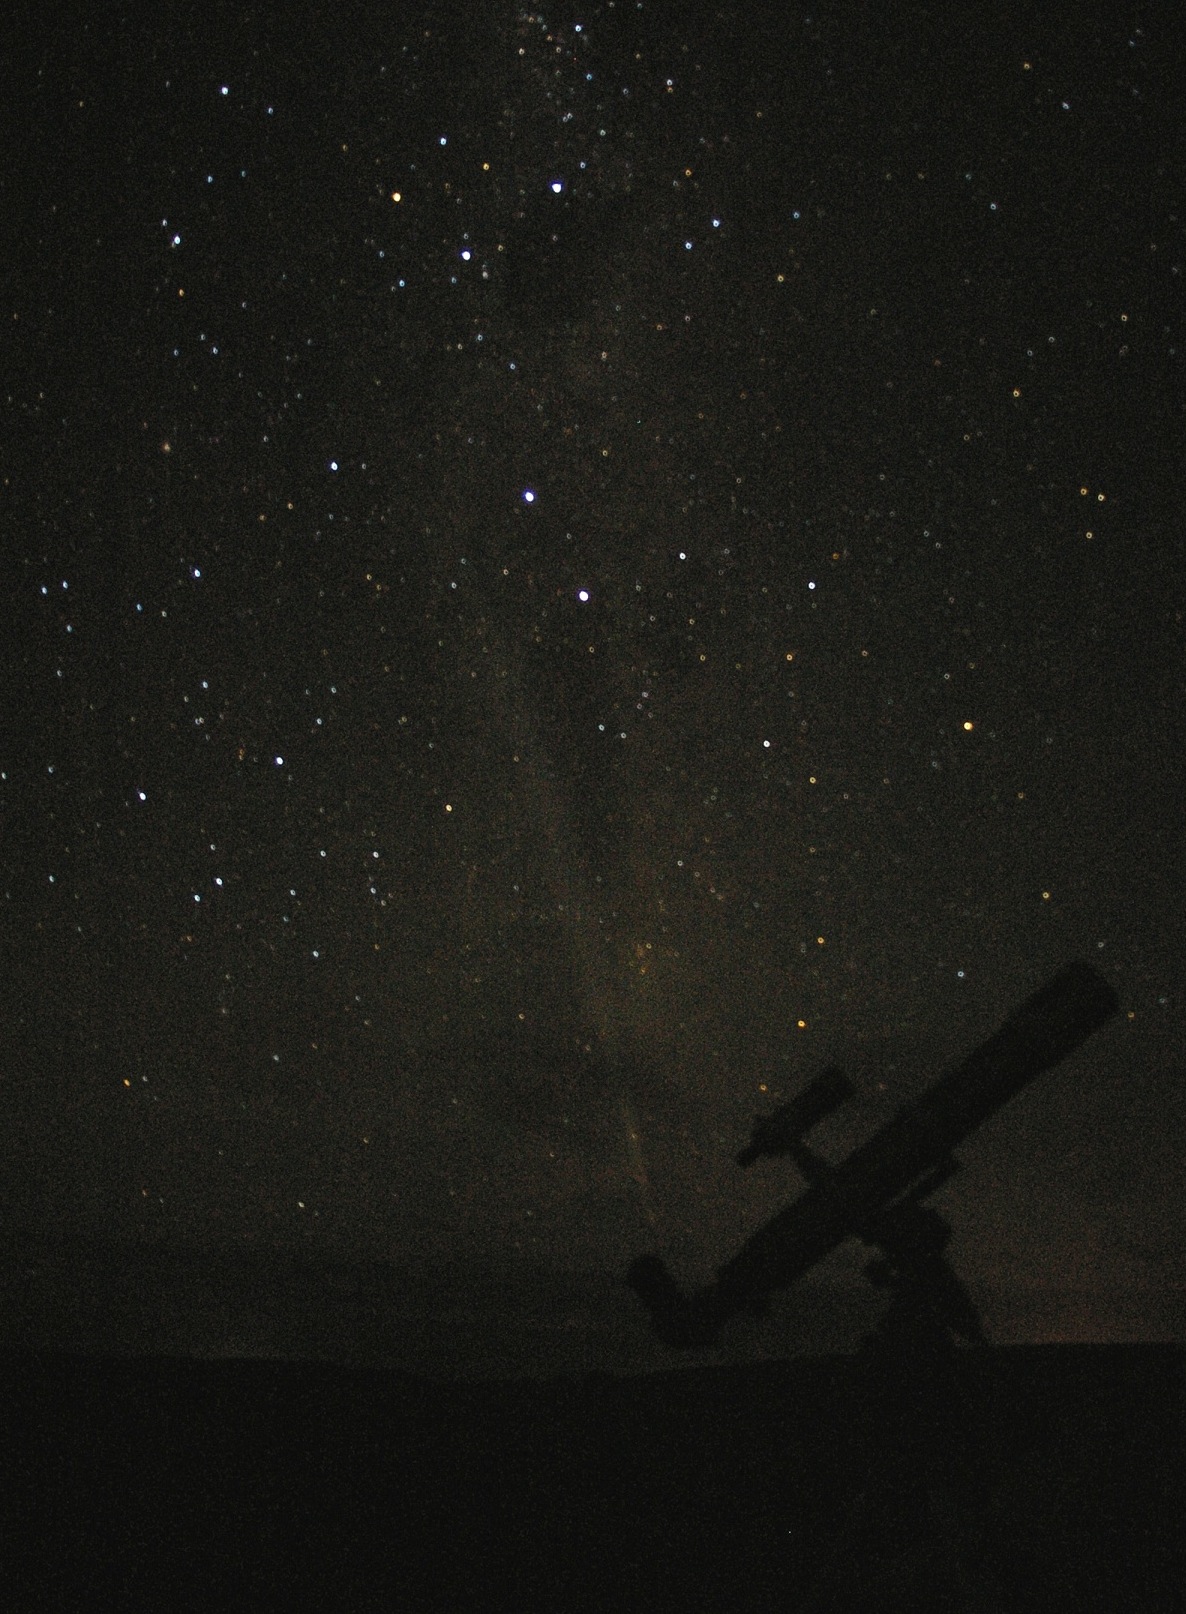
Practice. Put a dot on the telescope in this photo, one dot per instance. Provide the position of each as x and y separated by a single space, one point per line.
873 1192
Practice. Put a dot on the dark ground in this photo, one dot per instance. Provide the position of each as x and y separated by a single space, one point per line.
184 1484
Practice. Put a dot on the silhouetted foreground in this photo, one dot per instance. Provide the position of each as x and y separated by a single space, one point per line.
232 1485
922 1525
878 1191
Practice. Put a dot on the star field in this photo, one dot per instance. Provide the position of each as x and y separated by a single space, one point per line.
564 571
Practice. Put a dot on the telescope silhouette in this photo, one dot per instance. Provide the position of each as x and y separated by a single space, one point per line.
871 1193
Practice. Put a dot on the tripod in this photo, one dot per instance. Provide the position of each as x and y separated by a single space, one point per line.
910 1536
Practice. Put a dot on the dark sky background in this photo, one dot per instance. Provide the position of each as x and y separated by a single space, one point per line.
561 572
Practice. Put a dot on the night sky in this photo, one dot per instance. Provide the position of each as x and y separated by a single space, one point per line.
562 572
